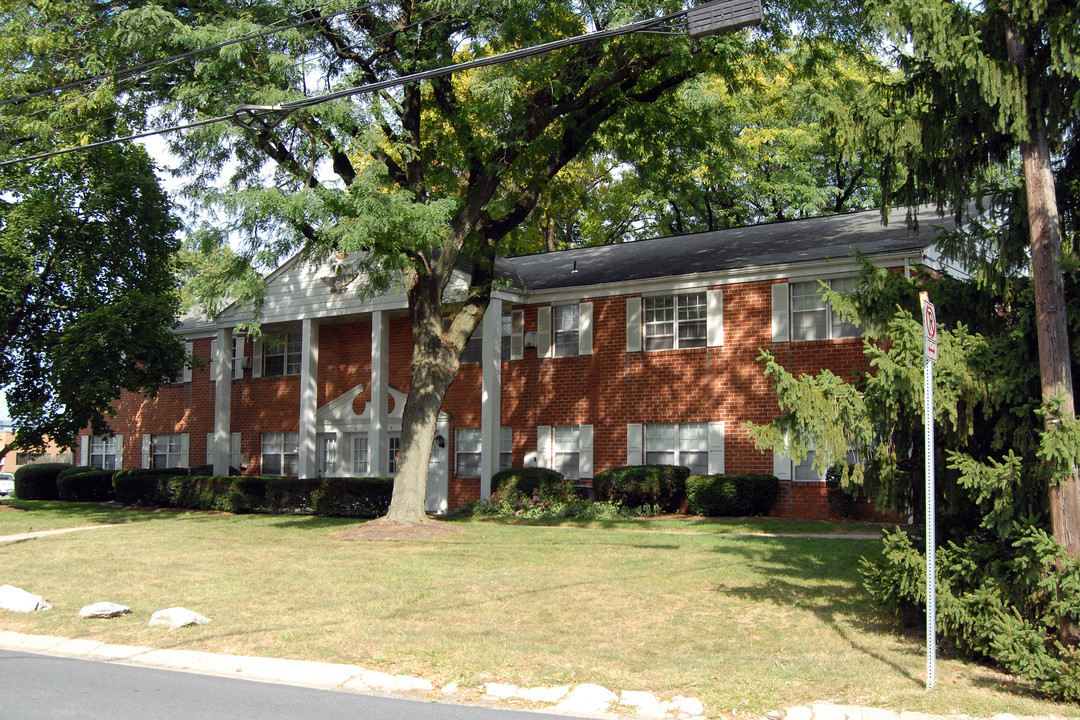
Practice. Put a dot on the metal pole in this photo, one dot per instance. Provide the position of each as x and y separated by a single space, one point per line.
931 563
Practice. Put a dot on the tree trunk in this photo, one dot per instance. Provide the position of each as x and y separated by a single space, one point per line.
1055 366
435 362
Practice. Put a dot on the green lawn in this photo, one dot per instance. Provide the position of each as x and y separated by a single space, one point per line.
755 623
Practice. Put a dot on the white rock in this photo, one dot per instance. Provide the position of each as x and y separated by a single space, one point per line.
18 600
644 703
687 706
177 617
450 688
799 712
104 610
587 699
543 694
500 691
378 680
408 683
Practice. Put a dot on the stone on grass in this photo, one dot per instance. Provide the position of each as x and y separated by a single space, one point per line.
587 699
500 691
544 694
644 703
104 610
177 617
18 600
684 706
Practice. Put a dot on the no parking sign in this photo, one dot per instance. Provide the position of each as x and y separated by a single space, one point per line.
929 328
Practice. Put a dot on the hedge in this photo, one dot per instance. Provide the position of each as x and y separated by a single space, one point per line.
636 486
38 481
340 497
545 483
85 484
732 495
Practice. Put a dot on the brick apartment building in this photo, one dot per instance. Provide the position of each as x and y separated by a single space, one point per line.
587 359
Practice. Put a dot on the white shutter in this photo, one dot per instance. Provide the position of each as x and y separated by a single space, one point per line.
543 334
118 451
234 451
84 450
781 464
145 451
543 446
585 329
517 334
185 444
256 359
716 448
780 313
633 327
213 362
238 357
189 350
585 458
715 307
633 443
210 449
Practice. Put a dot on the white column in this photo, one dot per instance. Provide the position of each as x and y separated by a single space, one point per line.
223 372
378 450
491 396
309 399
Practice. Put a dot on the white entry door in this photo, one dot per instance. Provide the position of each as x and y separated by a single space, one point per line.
438 481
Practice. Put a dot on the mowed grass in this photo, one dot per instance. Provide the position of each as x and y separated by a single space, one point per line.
745 623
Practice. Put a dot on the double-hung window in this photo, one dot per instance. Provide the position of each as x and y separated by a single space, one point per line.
282 355
565 330
811 316
394 442
166 451
684 444
467 443
675 321
566 448
103 452
280 453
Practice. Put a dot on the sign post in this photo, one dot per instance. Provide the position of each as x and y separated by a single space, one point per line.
929 358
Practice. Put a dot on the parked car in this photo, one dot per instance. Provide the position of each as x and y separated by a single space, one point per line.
7 484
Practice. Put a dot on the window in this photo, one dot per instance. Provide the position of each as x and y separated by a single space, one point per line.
812 318
236 457
166 451
394 442
25 458
359 455
283 356
805 470
474 346
507 336
103 453
565 326
674 444
467 444
506 448
328 456
280 453
676 321
566 451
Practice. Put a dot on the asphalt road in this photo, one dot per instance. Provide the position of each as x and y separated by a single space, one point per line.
42 687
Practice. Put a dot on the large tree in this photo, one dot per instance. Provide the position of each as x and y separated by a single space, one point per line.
985 82
88 296
426 179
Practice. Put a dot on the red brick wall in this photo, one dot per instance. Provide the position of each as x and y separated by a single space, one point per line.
608 389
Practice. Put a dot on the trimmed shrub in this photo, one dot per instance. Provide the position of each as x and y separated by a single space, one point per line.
353 497
644 486
517 485
145 486
85 484
208 470
732 495
38 481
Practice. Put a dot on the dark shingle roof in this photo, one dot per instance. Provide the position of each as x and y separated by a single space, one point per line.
781 243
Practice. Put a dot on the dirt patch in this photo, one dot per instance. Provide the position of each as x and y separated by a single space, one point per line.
383 530
5 508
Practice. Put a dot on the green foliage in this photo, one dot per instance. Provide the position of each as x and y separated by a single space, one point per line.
575 509
339 497
732 495
38 481
644 486
520 485
85 484
997 597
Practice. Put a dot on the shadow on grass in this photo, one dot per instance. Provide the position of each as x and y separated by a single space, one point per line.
90 512
314 522
820 576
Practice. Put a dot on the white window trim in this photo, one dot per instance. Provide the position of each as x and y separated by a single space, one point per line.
281 454
715 439
545 448
545 330
714 318
148 447
783 316
280 348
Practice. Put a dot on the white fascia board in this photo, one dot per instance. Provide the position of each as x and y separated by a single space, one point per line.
838 267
